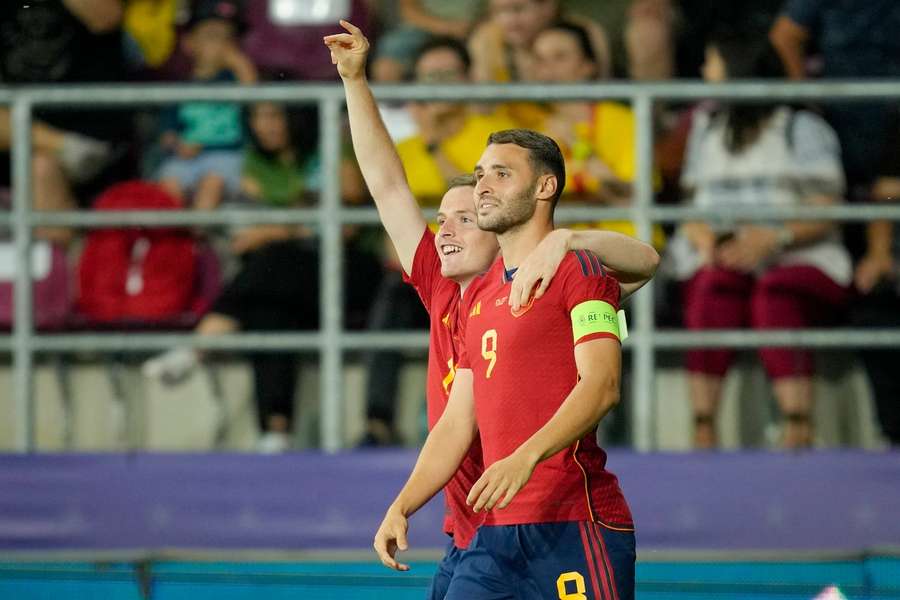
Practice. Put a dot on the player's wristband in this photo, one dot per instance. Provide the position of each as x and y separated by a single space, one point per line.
594 317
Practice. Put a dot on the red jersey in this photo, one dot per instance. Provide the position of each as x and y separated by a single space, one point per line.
524 368
441 298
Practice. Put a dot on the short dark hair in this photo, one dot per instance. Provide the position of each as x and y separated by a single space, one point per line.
464 180
543 153
441 42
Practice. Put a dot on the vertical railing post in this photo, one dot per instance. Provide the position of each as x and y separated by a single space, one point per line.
23 323
644 384
331 269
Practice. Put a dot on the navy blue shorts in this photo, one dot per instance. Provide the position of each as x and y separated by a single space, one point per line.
444 573
578 560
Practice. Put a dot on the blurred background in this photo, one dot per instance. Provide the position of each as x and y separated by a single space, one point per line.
221 396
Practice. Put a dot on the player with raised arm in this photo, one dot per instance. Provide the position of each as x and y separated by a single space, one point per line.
443 265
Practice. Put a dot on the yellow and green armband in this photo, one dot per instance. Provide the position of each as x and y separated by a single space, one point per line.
597 316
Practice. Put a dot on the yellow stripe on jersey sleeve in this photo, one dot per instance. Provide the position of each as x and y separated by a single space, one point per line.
594 316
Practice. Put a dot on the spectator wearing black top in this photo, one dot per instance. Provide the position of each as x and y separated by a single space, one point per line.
57 42
877 279
856 40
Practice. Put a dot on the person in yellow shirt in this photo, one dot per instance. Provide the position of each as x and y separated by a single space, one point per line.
502 46
597 138
451 136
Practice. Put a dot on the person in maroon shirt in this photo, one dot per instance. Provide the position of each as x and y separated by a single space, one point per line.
441 266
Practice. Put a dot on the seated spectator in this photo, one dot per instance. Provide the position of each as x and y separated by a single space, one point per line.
501 47
596 138
54 43
276 287
856 40
451 138
204 139
878 282
697 20
640 34
759 275
419 21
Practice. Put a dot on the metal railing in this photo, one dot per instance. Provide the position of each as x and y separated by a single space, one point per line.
331 341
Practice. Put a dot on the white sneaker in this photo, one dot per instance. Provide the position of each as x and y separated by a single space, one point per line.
172 366
273 442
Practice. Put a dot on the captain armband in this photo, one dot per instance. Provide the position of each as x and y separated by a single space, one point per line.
596 316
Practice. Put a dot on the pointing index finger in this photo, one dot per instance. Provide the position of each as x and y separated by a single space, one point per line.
350 27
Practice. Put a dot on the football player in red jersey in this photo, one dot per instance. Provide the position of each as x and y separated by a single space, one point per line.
440 266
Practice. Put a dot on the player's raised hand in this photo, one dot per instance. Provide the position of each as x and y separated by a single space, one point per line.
500 482
539 268
348 51
390 537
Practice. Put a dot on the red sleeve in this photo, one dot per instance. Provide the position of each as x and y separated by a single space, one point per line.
585 278
459 341
426 269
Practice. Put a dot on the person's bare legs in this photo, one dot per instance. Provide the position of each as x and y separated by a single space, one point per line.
172 186
705 393
277 423
209 192
82 158
43 136
795 398
50 186
216 324
51 193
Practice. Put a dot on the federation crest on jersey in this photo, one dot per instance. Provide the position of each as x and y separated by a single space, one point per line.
522 309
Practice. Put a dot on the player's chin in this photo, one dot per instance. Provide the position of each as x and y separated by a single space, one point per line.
449 272
451 265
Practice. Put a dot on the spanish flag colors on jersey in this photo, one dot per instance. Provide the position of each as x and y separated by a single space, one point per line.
524 368
442 299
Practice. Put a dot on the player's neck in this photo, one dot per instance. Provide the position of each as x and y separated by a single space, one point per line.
464 283
518 242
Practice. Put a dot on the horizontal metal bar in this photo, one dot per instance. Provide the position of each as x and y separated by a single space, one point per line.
840 212
135 218
158 94
796 338
265 342
674 90
111 95
369 215
415 340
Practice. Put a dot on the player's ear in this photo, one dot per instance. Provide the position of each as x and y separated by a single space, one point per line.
546 188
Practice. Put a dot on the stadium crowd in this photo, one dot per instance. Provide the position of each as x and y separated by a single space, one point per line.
205 155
